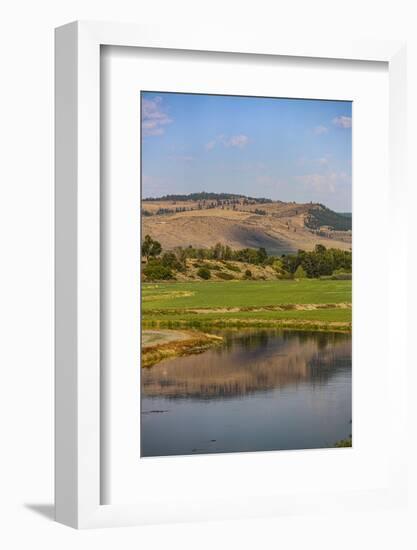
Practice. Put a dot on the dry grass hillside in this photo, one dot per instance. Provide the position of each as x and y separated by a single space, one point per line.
226 270
277 226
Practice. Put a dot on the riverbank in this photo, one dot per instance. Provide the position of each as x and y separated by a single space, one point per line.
282 324
344 442
163 344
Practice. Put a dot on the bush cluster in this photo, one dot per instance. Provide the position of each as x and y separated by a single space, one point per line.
156 271
322 262
225 253
204 273
170 260
225 276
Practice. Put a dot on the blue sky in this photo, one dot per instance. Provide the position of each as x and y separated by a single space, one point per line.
282 149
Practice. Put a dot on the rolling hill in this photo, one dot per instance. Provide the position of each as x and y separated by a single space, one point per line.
204 219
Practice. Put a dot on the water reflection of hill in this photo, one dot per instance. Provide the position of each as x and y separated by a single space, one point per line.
249 362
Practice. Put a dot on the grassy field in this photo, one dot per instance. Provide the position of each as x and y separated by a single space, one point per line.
306 303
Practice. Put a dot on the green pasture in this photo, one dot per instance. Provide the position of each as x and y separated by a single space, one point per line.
171 304
209 294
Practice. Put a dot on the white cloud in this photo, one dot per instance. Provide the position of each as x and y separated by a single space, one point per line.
211 145
342 121
154 118
320 130
239 140
323 183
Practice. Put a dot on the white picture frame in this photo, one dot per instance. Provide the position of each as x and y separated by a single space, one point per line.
78 405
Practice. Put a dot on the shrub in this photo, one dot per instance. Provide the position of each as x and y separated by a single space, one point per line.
284 276
157 271
342 272
169 259
248 274
300 273
204 273
225 276
213 267
232 267
342 276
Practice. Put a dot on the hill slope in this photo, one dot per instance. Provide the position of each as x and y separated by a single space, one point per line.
243 222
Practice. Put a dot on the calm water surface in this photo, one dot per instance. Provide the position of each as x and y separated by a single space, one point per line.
263 390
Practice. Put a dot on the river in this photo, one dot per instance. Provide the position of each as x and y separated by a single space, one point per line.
263 390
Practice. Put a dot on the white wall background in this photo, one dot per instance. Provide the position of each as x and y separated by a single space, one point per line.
26 269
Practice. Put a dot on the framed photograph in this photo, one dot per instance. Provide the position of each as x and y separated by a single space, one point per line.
227 320
246 293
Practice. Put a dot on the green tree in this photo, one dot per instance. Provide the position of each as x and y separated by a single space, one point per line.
290 263
150 248
217 251
319 248
300 273
262 255
228 253
169 259
182 257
